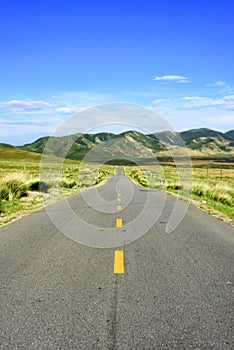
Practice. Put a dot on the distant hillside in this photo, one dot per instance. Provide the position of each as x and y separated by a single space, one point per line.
107 145
207 141
194 134
14 154
6 145
198 142
230 135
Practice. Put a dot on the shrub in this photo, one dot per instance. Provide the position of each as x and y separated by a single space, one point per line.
102 174
12 187
38 186
139 176
66 184
174 186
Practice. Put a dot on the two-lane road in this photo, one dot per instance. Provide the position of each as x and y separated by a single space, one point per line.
175 291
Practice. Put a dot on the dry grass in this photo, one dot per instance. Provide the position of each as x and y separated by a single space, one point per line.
13 186
211 183
218 192
22 189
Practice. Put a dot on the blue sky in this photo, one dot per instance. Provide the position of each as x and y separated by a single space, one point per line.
58 57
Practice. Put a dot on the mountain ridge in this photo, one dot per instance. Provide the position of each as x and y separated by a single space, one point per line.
132 143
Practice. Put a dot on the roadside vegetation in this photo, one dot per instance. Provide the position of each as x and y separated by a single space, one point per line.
211 187
22 189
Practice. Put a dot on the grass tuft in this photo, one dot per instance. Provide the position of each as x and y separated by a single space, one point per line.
12 186
218 192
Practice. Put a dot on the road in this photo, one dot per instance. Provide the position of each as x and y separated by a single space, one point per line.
163 290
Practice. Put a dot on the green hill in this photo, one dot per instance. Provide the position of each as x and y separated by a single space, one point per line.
194 134
230 136
132 144
107 145
18 155
14 154
6 145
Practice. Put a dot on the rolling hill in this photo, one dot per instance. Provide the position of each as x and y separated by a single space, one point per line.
102 146
9 153
133 144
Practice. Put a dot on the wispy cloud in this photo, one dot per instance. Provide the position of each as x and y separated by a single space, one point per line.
226 102
197 102
82 99
50 121
63 103
222 87
22 130
25 106
218 83
24 120
159 101
172 78
197 111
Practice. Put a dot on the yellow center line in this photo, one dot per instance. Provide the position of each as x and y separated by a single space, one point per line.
119 261
119 222
119 199
119 207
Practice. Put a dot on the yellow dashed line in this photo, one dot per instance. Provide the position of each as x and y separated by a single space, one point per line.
119 261
119 222
119 207
119 199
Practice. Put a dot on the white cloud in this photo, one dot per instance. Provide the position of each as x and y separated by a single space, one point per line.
28 121
31 119
197 111
159 101
81 99
25 106
24 120
218 83
226 102
65 103
222 87
169 78
197 102
183 119
67 109
23 130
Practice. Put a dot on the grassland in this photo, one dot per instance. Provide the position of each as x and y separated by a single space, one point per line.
210 185
27 184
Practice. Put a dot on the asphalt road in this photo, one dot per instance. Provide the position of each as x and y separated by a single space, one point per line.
173 290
